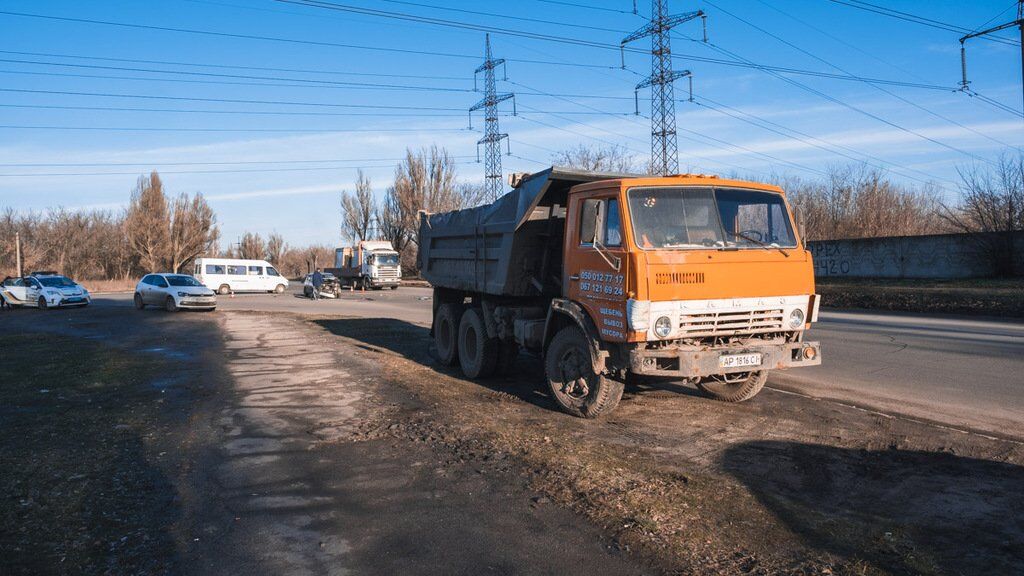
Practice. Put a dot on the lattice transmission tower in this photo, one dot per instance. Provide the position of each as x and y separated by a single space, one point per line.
664 151
492 134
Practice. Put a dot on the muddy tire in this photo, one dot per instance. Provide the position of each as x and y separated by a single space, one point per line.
279 289
224 290
478 354
169 305
446 332
394 287
508 353
42 304
139 304
743 388
574 385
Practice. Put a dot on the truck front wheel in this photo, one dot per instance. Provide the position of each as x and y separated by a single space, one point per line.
734 387
446 332
478 354
574 385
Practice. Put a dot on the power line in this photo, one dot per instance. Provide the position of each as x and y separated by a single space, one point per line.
221 163
280 39
876 87
232 66
907 17
282 113
807 139
315 83
314 169
180 129
694 57
588 6
849 106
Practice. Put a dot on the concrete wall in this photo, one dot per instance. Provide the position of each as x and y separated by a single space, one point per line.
935 256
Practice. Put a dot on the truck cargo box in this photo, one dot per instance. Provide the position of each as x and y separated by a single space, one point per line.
511 247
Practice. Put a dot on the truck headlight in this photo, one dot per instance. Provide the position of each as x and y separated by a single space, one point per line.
796 318
638 314
663 327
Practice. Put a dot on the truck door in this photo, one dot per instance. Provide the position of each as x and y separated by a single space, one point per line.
595 261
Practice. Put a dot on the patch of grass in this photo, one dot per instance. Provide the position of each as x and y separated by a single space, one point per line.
79 492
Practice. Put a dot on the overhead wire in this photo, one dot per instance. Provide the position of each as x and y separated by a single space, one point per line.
553 38
875 86
908 17
847 105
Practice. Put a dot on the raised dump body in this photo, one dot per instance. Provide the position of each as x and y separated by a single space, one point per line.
511 247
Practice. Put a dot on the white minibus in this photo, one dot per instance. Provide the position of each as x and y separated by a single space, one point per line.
227 275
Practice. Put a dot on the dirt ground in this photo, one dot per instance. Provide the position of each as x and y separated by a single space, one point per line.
782 484
985 297
270 443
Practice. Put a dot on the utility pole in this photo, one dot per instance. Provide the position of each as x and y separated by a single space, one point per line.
492 135
17 251
1019 23
664 151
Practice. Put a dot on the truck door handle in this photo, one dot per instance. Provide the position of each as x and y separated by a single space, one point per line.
574 277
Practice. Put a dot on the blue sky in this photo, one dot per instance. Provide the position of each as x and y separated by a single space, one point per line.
304 115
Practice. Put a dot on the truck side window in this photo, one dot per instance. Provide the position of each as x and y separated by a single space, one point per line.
610 232
588 219
612 224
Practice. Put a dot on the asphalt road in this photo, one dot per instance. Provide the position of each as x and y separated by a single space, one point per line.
961 372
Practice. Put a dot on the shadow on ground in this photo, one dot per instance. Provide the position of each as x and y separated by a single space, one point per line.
414 343
903 512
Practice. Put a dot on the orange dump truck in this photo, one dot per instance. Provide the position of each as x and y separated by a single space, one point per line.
689 277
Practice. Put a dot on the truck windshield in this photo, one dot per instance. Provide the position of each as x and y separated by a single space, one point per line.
385 259
694 217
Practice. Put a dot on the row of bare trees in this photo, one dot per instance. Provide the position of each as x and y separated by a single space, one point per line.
162 232
424 180
156 232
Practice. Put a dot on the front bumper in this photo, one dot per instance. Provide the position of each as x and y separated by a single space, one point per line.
696 363
197 302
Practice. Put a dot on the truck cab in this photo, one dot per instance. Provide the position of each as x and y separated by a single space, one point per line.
372 264
611 277
692 276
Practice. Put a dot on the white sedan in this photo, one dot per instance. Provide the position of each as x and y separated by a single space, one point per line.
44 290
173 292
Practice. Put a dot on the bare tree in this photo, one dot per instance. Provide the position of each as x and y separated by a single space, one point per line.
193 230
148 222
357 210
275 248
992 203
251 247
858 202
611 158
423 181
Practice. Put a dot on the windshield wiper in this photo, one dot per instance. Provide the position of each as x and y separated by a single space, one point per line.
761 243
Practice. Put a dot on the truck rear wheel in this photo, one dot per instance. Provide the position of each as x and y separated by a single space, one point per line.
446 332
478 354
574 385
734 387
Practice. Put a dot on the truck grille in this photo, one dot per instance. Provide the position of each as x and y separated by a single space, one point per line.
388 273
732 322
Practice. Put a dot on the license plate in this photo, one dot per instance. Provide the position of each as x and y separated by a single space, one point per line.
739 360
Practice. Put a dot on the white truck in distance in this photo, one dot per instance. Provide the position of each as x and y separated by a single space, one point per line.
369 264
227 275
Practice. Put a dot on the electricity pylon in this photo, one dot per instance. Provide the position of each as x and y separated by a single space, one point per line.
492 135
664 151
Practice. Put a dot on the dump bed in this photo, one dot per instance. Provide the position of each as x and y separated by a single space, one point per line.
511 247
